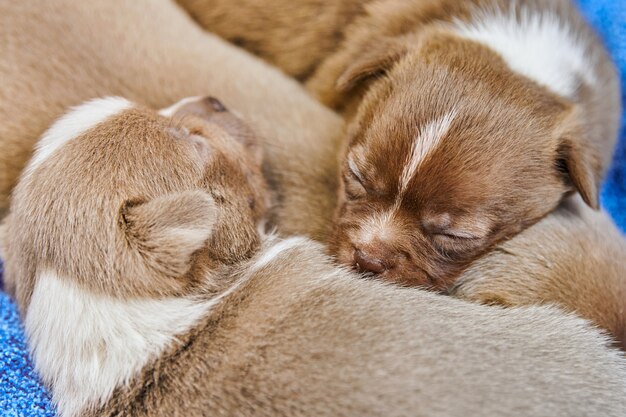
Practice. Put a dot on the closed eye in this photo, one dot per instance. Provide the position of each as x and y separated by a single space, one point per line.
458 235
354 187
354 171
456 242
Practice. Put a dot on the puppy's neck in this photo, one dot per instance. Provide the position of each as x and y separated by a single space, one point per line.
537 43
542 42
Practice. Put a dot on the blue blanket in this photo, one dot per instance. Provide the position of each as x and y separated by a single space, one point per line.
21 393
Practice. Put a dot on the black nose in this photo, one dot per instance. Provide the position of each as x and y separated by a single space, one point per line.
368 263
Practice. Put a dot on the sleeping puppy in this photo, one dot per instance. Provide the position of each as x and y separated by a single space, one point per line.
147 291
574 258
154 54
469 120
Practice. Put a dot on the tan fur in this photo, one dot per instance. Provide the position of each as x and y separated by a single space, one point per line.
293 335
515 148
576 261
157 225
60 53
573 258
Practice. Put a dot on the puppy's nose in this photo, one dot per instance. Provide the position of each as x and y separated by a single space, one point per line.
366 262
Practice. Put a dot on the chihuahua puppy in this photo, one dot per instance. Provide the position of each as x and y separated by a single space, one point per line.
147 290
154 54
469 120
574 258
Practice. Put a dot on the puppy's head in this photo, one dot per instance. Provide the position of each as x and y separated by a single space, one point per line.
451 152
125 200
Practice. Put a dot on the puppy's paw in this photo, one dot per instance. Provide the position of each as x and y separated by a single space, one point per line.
504 291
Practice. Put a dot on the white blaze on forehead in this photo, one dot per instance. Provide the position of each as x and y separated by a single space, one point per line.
426 141
535 43
84 345
169 111
73 124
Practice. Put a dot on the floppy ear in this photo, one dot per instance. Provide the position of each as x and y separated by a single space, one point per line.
370 62
166 231
582 168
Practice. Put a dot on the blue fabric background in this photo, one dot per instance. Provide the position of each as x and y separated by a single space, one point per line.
21 394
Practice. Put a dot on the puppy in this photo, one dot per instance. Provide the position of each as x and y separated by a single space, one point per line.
573 258
147 291
469 120
154 54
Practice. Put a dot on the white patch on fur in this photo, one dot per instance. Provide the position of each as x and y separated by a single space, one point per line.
169 111
536 44
269 254
426 141
85 345
73 124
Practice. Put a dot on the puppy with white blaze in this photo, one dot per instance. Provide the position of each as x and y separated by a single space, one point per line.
147 289
468 120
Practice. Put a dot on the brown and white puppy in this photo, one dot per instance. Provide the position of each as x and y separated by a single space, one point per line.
574 258
60 53
469 120
146 291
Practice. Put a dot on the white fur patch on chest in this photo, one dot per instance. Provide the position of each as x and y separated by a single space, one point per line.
537 44
85 345
73 124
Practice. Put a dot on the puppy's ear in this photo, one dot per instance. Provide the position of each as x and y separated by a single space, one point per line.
581 166
166 231
370 62
242 132
214 111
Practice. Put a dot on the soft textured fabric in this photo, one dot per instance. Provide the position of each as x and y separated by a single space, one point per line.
21 393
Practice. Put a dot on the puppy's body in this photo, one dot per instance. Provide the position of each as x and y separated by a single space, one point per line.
469 120
174 307
575 258
60 53
300 337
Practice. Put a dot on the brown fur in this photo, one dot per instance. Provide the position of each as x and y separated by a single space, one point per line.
514 151
60 53
573 258
295 336
157 224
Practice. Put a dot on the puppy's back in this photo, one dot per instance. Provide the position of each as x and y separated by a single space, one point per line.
303 338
